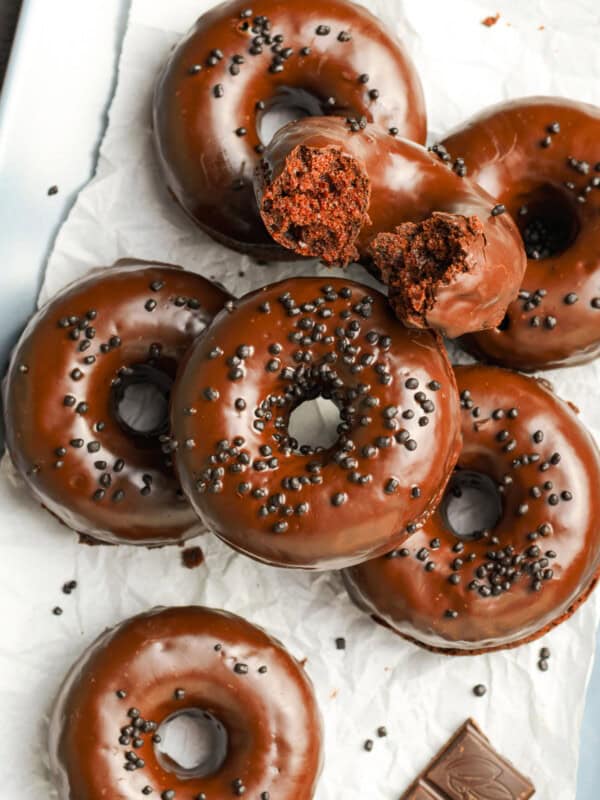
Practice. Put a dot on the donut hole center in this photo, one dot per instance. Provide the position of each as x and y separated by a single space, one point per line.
193 743
140 401
548 221
314 424
287 105
471 505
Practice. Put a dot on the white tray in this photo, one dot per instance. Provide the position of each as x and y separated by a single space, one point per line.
52 116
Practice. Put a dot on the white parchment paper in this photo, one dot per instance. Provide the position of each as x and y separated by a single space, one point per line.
538 47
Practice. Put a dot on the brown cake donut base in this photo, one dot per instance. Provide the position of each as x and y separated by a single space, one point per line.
453 651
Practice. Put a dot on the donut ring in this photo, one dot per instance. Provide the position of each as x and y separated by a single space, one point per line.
297 506
540 157
536 565
69 372
157 665
330 189
233 67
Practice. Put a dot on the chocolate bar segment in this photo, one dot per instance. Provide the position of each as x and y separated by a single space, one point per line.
469 767
422 791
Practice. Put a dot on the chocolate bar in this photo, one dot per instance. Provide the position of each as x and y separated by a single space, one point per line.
468 768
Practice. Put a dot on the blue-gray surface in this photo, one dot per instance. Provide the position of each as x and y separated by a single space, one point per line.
588 784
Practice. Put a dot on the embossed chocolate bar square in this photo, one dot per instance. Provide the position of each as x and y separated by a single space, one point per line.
468 768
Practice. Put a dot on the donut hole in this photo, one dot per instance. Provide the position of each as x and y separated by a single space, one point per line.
140 400
548 221
193 743
471 504
504 323
314 424
287 105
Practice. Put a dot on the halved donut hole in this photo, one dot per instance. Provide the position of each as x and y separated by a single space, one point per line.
313 425
318 203
548 221
286 105
417 259
192 743
471 505
140 400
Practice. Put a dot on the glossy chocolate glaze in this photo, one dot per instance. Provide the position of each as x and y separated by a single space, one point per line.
261 359
511 151
207 144
408 184
557 523
62 426
270 715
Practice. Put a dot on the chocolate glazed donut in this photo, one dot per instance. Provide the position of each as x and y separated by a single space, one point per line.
539 558
255 702
235 65
293 505
540 156
83 356
333 189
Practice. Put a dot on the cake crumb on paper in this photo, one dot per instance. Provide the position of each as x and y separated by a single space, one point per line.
490 21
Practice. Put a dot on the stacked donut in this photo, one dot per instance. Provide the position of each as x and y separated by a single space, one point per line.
490 236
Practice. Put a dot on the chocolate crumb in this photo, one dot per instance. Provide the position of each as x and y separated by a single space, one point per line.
490 21
192 557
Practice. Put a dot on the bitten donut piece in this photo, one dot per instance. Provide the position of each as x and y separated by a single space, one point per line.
420 257
288 503
253 700
336 190
237 65
534 471
72 420
540 156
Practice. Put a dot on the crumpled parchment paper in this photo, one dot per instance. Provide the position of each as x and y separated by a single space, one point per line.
539 47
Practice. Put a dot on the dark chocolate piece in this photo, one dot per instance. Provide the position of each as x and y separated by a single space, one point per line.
469 767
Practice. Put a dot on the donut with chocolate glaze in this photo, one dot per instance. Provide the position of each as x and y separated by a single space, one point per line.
540 156
293 505
76 369
237 64
255 703
331 189
537 560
